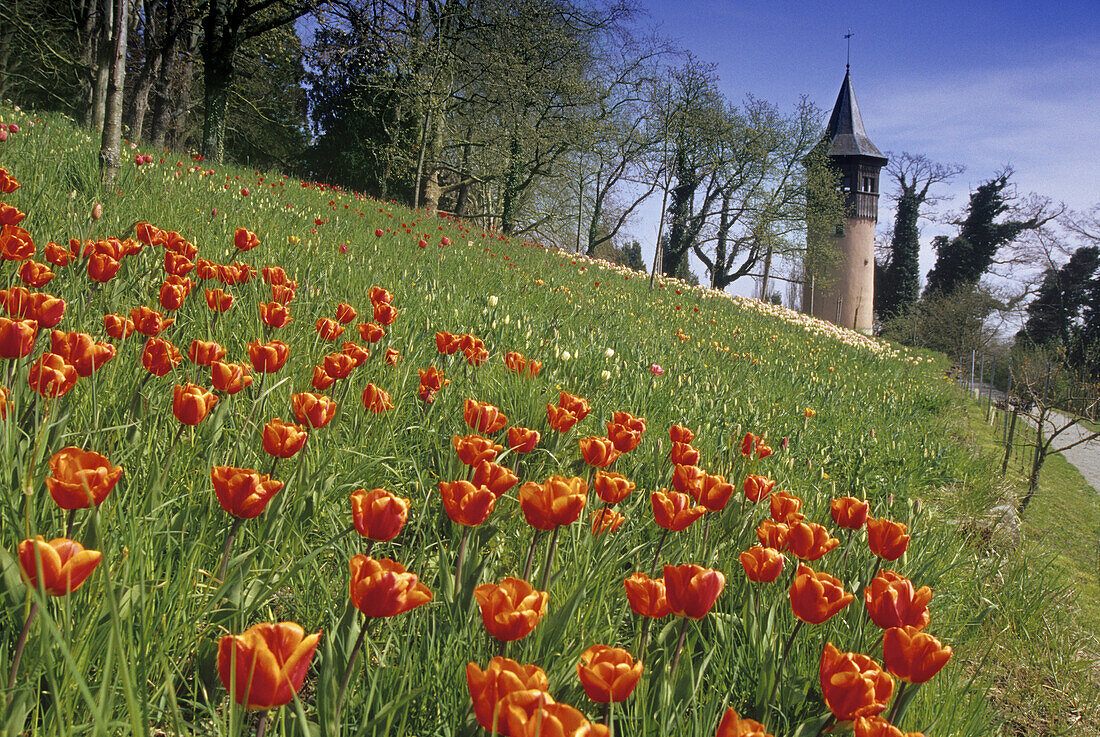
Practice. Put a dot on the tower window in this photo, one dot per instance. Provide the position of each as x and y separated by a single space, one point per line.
868 184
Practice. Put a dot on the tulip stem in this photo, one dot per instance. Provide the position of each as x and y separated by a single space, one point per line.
531 554
847 549
261 726
643 639
274 463
607 715
252 412
19 648
69 518
237 522
679 647
779 669
897 702
657 555
461 560
550 558
347 674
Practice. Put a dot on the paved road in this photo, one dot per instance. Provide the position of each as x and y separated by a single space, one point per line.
1085 457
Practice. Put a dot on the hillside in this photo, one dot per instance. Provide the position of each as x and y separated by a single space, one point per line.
134 649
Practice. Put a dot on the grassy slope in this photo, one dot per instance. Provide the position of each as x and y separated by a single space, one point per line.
884 430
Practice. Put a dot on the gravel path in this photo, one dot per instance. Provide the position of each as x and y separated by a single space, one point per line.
1084 457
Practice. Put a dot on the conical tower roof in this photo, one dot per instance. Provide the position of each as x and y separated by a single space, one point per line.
845 133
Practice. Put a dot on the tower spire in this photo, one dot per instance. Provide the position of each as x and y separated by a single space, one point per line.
848 57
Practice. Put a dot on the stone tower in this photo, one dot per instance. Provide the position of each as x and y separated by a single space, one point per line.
847 295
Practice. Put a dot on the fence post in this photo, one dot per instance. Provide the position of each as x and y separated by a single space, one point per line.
970 386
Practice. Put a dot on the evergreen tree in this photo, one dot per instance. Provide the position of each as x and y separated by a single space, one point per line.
964 259
1054 315
897 282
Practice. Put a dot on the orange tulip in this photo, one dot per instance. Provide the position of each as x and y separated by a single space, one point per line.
6 405
58 255
384 313
17 302
149 322
465 503
753 447
849 512
34 274
282 293
473 449
275 314
392 357
561 420
522 439
370 332
358 353
17 337
377 514
242 492
329 329
495 477
511 609
515 362
102 267
264 667
879 727
683 454
245 240
192 403
612 487
230 377
606 520
273 275
177 264
680 434
267 358
761 564
345 313
892 601
817 596
118 327
483 417
321 380
51 376
383 588
912 655
65 564
758 487
810 541
218 300
172 295
673 510
629 421
786 508
46 309
647 596
623 438
205 352
772 534
15 242
715 492
80 478
376 400
598 451
692 590
312 410
853 685
547 718
283 439
339 365
574 404
886 539
159 356
688 479
8 183
732 725
533 367
503 680
555 502
446 343
608 674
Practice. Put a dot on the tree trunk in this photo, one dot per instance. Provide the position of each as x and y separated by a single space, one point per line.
219 48
169 63
177 123
104 53
150 68
767 274
6 36
510 195
465 187
1037 460
109 151
88 32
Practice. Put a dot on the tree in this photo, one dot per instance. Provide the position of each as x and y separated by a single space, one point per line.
1054 315
963 260
897 284
226 25
110 148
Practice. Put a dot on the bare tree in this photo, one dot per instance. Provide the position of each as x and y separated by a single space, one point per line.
110 148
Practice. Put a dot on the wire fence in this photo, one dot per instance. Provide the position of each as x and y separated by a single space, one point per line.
989 380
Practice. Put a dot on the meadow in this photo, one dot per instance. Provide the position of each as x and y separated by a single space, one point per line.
446 334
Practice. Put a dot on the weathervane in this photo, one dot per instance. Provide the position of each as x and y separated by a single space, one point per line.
848 59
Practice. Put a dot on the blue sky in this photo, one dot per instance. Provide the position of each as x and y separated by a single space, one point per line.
982 84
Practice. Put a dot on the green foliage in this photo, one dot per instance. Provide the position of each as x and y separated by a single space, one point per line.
899 287
132 652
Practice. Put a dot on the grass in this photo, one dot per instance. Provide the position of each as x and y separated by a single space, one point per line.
134 650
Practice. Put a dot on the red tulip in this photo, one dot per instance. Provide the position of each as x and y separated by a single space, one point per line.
65 564
264 667
692 590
